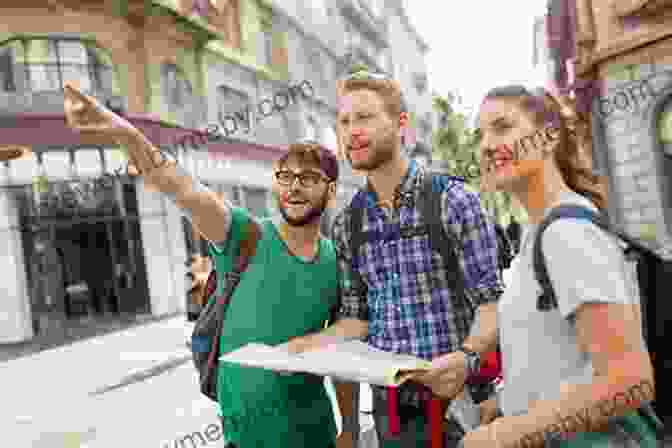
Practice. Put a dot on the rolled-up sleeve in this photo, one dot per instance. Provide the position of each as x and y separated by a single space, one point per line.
476 232
352 299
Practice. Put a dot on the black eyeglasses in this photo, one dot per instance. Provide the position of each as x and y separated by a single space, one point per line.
307 179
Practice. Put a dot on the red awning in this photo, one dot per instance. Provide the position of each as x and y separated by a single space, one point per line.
52 130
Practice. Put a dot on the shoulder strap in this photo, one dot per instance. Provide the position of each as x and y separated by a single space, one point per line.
246 250
356 232
547 300
248 245
440 239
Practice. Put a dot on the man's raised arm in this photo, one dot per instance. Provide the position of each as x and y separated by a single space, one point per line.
210 215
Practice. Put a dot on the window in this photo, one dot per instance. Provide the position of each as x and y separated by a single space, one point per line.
50 62
317 65
420 82
234 103
311 130
265 43
6 71
376 7
176 87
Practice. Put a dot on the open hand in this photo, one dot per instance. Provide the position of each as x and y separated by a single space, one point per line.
447 376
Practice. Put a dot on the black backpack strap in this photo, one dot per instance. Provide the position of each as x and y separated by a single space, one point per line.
357 237
547 300
440 239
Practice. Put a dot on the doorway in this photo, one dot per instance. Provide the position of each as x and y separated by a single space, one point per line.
84 259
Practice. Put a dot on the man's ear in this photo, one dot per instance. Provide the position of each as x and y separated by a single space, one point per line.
403 119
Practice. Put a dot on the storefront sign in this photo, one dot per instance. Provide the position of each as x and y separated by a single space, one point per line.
74 197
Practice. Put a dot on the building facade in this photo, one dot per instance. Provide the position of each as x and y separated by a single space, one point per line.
407 60
84 241
616 57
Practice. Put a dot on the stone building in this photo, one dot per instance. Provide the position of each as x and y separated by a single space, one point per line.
84 244
616 57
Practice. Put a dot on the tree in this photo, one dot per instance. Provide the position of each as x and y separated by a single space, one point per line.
457 145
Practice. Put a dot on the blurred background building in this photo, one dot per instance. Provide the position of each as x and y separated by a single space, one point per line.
87 250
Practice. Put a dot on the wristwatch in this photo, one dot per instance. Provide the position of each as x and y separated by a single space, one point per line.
472 360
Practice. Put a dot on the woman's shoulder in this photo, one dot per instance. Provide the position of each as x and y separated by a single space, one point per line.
578 236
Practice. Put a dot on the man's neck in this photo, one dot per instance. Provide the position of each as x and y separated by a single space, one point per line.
301 239
386 178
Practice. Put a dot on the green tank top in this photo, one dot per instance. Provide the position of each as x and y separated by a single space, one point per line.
279 297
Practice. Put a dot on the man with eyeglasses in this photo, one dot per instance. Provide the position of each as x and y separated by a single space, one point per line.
397 288
289 288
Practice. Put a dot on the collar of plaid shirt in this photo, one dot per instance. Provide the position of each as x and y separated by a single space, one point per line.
403 194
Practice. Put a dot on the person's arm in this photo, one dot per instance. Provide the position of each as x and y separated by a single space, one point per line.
210 215
465 217
594 292
479 263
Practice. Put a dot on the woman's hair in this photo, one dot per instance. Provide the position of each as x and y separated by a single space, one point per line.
571 160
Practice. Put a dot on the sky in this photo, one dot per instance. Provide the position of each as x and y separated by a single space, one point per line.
477 45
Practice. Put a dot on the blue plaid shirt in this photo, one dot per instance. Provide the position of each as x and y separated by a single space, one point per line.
406 298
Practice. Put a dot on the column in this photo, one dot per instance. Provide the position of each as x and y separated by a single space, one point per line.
15 315
162 241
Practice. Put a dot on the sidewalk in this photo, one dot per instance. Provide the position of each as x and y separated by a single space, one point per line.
68 374
139 378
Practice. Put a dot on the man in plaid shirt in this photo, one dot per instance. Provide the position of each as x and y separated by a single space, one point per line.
395 291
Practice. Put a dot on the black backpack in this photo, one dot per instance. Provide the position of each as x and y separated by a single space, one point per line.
441 241
650 273
208 328
505 253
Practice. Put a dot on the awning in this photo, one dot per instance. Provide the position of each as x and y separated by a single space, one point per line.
51 130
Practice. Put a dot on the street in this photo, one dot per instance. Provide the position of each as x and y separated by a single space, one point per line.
134 388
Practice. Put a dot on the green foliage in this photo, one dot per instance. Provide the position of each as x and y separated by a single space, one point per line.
457 145
359 67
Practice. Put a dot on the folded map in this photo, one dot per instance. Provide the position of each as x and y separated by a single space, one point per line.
349 361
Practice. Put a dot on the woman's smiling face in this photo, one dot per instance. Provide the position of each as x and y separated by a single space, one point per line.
511 153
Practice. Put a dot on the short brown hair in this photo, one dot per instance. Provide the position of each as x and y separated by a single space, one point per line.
311 152
388 89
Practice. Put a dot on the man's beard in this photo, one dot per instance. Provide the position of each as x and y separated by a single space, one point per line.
381 152
313 213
